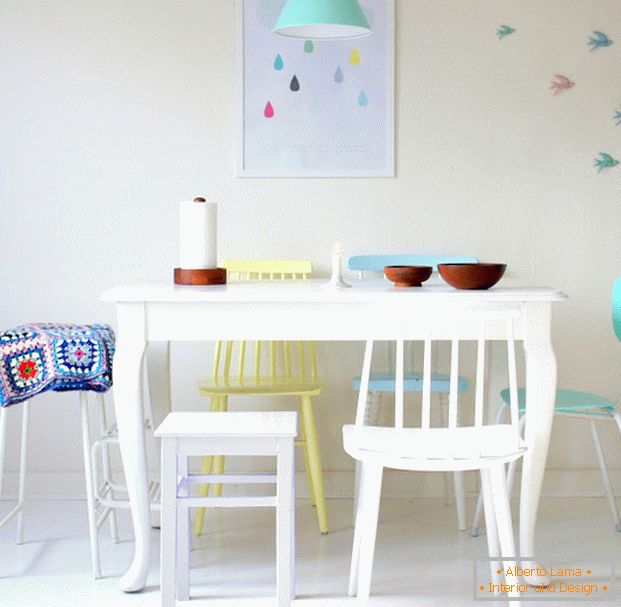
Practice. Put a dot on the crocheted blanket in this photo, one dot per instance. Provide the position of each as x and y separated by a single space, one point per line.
52 356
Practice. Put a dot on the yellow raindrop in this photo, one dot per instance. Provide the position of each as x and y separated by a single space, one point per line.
354 58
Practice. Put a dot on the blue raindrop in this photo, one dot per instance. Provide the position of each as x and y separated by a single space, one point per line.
279 64
363 100
339 76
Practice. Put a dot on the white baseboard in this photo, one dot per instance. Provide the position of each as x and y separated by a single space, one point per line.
340 484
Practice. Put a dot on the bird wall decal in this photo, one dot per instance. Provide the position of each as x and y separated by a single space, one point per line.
605 161
599 41
562 83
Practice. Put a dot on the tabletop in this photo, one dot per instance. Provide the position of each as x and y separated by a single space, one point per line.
313 291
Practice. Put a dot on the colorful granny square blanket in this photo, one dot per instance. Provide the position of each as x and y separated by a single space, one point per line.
51 356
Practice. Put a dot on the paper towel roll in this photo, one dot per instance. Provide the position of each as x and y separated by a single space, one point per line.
198 234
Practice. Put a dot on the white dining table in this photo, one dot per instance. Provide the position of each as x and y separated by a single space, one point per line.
305 310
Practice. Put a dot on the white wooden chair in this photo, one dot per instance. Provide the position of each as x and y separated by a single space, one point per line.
372 266
264 433
486 448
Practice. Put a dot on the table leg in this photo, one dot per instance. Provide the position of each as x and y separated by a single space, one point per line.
540 399
159 381
129 416
159 403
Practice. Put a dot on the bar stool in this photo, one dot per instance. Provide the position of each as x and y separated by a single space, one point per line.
63 357
264 433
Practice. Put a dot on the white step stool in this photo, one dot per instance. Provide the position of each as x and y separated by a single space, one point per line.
262 433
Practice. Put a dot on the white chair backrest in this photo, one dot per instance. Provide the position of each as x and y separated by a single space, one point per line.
474 327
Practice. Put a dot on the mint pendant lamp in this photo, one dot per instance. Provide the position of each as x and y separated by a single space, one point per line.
322 20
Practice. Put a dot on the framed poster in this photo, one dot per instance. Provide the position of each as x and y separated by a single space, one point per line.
315 108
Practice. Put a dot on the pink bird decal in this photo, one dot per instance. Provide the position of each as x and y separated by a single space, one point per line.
562 83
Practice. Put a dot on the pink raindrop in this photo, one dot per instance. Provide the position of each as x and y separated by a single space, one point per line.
269 110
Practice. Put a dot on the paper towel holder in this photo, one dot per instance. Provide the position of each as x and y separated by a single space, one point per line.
199 277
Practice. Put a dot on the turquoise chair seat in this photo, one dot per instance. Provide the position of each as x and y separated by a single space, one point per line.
384 381
569 401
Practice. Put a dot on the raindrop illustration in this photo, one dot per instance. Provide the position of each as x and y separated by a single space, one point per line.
354 58
309 47
338 76
269 110
278 63
363 100
295 84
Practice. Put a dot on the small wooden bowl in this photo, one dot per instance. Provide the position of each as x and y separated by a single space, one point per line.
408 276
472 275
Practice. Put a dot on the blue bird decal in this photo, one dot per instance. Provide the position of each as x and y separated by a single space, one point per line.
605 161
618 117
504 30
600 40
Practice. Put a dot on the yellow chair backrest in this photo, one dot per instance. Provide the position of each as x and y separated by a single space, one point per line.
274 358
268 269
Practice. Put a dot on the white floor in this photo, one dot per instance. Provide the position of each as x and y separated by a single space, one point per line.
421 558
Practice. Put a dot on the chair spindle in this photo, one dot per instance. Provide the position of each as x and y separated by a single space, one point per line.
426 412
364 383
453 385
399 387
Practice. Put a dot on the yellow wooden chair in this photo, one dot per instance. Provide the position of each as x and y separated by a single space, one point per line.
264 368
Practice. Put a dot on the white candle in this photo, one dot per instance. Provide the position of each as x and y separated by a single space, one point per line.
336 261
336 281
198 234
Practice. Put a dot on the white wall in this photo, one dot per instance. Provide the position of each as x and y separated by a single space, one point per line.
110 112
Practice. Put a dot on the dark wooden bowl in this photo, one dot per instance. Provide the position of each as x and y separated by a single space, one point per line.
408 276
472 275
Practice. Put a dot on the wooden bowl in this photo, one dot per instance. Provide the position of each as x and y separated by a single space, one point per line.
472 275
408 276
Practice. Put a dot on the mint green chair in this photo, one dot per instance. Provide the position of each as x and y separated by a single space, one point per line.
580 405
381 381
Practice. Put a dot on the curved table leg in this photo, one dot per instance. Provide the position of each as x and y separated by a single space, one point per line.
540 400
159 402
129 416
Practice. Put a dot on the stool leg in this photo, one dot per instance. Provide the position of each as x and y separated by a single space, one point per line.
22 473
107 468
206 467
168 534
203 491
285 523
315 461
90 487
183 540
2 442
